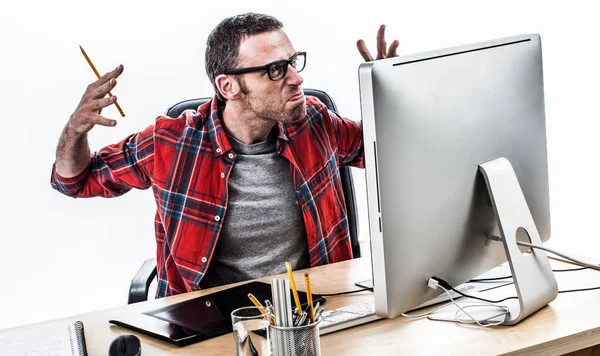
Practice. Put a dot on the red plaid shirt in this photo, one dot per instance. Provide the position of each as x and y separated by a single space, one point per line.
186 161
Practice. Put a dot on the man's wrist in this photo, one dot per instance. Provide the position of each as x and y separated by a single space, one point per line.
74 132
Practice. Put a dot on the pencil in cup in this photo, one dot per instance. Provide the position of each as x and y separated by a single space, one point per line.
288 267
99 76
311 312
261 308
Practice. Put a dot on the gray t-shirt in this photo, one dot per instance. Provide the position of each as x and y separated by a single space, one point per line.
263 226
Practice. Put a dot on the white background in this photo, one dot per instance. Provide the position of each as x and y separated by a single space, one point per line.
60 256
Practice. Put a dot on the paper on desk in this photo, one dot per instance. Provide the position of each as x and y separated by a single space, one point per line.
47 342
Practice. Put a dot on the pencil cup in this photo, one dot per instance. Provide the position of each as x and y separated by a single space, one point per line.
296 341
250 331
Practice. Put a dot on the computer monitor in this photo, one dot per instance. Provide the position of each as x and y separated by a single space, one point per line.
454 139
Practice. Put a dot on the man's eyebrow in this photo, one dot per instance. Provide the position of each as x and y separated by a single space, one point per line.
284 59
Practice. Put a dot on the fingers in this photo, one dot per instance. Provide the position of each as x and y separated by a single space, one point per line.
381 45
101 120
382 50
99 104
115 73
364 52
393 48
102 90
87 113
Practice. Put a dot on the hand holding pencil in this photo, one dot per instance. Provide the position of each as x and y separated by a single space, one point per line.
98 76
87 113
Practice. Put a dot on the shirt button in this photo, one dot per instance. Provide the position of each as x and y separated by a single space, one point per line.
231 155
203 259
222 175
217 218
218 150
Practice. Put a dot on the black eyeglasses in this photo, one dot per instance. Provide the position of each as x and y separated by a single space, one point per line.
276 70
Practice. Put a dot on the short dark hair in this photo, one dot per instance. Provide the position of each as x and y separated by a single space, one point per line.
223 44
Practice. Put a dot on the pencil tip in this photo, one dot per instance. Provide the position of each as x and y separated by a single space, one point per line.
305 274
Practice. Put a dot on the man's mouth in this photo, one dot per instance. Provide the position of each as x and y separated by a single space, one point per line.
296 97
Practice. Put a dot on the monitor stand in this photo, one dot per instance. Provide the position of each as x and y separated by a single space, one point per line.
532 274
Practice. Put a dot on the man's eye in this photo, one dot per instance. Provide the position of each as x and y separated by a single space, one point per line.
275 70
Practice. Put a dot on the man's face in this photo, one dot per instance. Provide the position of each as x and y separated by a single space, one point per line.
282 100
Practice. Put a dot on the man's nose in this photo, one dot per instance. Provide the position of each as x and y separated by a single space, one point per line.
293 77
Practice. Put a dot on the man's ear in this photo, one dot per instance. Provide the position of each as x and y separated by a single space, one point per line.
228 86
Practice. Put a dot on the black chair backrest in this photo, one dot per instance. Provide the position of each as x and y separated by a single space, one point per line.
345 172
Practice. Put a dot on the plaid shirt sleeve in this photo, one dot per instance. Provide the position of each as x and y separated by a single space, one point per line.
350 148
114 170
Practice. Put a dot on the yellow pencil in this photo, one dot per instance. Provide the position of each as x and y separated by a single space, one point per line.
256 302
288 266
311 312
261 308
98 75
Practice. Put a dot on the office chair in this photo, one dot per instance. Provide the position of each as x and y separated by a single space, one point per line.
140 284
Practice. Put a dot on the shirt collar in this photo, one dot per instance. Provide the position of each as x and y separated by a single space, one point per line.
216 131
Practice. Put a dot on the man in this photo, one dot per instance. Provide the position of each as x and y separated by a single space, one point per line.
247 182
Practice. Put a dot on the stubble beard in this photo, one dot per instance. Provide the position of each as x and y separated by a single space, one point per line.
267 111
278 113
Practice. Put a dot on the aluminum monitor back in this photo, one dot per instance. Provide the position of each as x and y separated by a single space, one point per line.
429 120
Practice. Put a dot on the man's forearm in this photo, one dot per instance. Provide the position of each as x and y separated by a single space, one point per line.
72 153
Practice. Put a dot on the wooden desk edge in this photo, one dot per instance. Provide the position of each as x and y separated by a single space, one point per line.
583 343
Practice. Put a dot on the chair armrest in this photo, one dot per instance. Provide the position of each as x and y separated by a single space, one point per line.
140 284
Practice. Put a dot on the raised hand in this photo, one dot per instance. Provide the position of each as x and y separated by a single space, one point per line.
382 50
87 113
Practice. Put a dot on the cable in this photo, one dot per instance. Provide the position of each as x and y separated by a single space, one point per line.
570 269
572 259
425 314
578 290
435 283
507 277
505 310
447 285
443 283
349 292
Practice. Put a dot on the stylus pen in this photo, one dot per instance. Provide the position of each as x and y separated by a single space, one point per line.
318 314
288 266
317 311
269 305
301 319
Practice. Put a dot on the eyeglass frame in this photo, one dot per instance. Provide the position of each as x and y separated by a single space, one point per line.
266 67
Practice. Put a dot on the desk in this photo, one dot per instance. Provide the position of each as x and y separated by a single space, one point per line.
569 323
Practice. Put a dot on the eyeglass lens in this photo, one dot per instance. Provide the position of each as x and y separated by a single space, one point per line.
279 70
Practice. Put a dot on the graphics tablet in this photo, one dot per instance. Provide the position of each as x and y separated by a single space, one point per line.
200 318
